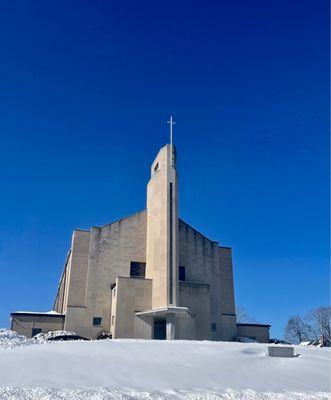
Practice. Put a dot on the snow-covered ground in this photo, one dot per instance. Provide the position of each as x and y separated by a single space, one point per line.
10 340
139 369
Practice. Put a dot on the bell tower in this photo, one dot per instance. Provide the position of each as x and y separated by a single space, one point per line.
162 228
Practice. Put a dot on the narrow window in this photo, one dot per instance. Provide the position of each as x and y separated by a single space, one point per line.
112 320
213 326
181 274
171 244
156 167
137 269
97 321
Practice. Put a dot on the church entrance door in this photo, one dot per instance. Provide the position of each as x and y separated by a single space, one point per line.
160 329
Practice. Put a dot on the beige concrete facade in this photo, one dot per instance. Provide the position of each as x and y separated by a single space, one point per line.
131 296
150 275
162 229
105 253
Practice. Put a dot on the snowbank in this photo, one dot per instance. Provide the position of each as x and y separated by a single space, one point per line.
44 337
137 369
10 339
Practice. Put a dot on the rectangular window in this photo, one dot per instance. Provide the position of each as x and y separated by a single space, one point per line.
213 326
137 269
97 321
181 274
35 331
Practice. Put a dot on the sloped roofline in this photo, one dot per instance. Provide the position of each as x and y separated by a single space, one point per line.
201 234
121 219
144 210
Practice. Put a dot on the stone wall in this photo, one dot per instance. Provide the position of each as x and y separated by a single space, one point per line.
78 268
112 248
196 296
227 306
59 299
72 287
207 263
131 295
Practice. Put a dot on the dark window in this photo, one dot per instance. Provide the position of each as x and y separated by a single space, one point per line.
213 326
181 273
97 321
156 167
35 331
137 269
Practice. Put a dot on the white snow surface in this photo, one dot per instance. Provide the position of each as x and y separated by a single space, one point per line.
141 369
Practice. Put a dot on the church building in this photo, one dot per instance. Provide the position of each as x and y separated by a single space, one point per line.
148 276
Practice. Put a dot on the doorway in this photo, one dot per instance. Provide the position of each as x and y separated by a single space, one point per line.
160 329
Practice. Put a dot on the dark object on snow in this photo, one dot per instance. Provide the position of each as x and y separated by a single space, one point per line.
65 338
278 341
104 335
244 339
52 336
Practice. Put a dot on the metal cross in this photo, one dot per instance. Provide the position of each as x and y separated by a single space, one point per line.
171 123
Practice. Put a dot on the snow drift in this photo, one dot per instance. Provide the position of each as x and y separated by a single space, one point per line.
137 369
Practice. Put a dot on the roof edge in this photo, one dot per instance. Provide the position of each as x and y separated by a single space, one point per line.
201 234
31 313
248 324
121 219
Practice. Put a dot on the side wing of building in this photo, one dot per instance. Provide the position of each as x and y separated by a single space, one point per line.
96 258
206 284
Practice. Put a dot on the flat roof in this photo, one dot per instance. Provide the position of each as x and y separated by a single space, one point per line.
45 314
159 312
248 324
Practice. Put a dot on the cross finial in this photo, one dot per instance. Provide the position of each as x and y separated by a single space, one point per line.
171 122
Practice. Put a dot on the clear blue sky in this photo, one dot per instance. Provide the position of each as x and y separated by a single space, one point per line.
86 88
